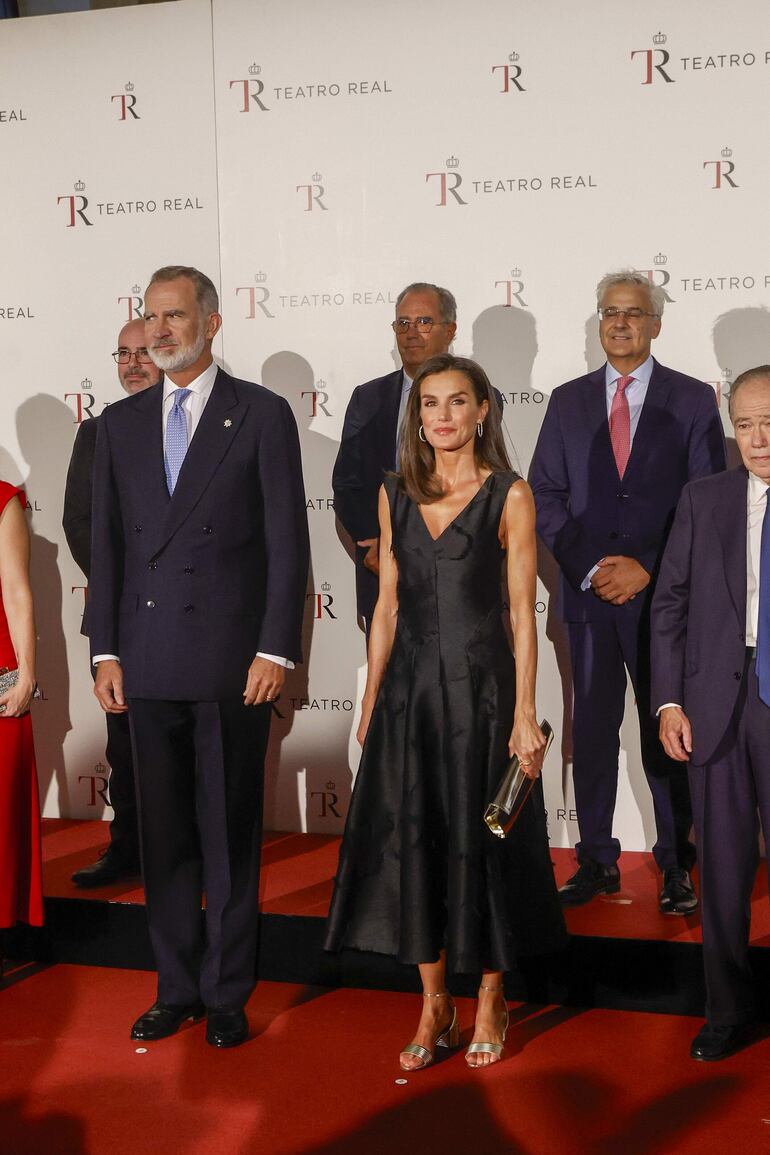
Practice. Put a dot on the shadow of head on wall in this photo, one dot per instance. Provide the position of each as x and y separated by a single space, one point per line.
741 341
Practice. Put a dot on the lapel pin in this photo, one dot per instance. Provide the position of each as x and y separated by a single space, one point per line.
228 423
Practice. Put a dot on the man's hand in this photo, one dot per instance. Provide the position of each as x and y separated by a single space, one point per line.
264 682
108 687
675 733
618 579
372 555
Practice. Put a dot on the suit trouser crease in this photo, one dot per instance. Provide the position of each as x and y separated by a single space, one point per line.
199 773
600 655
726 793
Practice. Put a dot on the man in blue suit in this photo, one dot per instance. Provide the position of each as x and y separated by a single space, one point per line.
198 571
425 325
711 687
614 452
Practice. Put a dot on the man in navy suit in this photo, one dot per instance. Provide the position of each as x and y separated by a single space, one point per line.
425 325
614 452
136 371
711 684
199 564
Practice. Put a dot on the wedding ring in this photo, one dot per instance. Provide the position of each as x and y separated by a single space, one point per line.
3 707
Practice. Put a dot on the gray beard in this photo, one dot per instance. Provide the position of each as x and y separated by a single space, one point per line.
171 361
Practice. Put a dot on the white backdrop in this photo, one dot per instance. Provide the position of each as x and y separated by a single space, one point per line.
314 160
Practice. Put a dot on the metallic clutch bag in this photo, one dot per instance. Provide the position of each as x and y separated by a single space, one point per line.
9 678
512 792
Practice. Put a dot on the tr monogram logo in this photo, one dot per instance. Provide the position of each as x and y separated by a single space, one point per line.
511 74
77 206
514 288
449 183
257 296
251 90
126 103
313 193
655 60
723 170
318 399
322 602
134 304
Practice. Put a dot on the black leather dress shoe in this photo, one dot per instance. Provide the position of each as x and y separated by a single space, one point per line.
164 1019
108 868
226 1026
713 1043
590 879
678 894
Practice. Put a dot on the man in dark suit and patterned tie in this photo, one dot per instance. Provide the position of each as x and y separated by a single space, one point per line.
199 564
136 372
615 449
711 684
425 325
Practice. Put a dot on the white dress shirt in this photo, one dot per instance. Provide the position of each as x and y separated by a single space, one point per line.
756 505
636 392
193 406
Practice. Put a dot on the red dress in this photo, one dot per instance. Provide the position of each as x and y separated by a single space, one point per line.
21 890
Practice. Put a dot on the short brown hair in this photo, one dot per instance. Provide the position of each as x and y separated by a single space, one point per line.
417 460
205 290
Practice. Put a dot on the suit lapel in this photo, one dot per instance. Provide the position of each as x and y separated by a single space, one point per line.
389 413
148 409
730 520
597 423
216 430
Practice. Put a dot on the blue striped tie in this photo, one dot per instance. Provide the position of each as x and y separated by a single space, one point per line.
763 624
176 438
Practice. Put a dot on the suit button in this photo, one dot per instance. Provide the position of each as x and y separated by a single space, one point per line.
622 495
151 605
189 609
153 565
613 536
741 637
137 529
737 675
207 529
188 569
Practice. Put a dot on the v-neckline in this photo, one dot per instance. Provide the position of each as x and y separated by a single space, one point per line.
457 516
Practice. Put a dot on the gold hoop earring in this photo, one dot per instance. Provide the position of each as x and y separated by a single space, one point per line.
421 434
480 428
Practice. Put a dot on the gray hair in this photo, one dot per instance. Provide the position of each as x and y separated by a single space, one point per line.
446 302
205 291
756 374
656 294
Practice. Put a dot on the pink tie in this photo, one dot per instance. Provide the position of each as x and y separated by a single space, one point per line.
620 425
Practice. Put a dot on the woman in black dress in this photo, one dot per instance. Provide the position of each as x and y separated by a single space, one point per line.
420 876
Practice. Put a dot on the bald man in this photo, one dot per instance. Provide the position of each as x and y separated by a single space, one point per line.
136 372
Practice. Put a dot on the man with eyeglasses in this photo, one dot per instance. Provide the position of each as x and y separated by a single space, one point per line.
614 452
425 325
136 372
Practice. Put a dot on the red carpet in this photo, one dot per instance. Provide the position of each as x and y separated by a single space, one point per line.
319 1076
297 872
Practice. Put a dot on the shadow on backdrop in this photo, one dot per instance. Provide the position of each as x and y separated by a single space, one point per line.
44 432
741 341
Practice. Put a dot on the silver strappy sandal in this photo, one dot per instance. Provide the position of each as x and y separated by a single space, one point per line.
449 1037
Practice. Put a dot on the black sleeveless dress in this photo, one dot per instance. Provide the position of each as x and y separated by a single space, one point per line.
419 870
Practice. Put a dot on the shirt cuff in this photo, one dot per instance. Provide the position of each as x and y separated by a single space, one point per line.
667 706
285 662
586 582
97 658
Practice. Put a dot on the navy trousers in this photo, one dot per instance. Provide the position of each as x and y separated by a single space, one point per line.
601 653
199 777
729 796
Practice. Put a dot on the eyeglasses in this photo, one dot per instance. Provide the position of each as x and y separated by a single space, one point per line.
123 356
612 314
421 324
